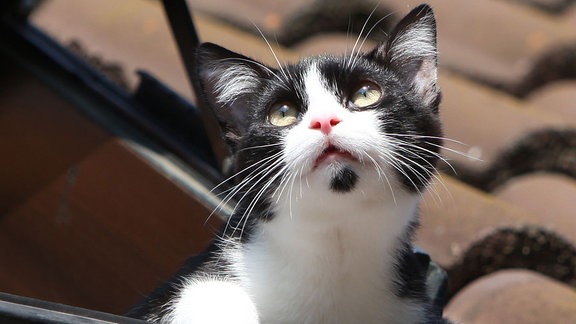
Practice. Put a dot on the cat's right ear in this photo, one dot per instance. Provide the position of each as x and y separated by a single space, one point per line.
412 53
226 81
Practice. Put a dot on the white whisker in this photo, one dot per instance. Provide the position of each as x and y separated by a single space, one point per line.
280 66
259 174
368 35
425 174
445 139
231 192
382 173
354 48
260 192
246 168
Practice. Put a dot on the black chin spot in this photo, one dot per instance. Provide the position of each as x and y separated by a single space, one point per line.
344 180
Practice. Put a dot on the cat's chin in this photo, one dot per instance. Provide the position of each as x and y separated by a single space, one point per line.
338 163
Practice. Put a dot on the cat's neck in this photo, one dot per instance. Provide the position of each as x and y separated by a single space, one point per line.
372 214
345 257
352 224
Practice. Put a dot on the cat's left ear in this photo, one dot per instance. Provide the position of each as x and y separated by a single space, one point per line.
412 53
226 82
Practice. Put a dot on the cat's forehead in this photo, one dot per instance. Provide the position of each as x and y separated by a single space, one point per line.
329 67
320 77
323 70
307 82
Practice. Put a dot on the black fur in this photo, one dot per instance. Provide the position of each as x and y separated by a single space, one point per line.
344 180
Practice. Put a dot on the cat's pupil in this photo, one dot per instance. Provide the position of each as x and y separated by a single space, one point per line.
283 110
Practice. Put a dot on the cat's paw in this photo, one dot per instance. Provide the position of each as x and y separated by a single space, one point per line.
212 301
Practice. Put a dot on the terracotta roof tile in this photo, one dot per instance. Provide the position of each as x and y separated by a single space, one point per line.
557 97
487 121
514 296
550 198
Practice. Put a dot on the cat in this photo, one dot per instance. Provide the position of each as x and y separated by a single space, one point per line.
329 159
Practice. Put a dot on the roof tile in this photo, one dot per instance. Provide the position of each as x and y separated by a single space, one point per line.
514 296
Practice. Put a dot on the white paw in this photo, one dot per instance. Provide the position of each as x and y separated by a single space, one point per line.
212 301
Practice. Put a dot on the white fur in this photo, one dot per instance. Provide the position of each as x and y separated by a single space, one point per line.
329 265
329 255
211 301
325 257
233 81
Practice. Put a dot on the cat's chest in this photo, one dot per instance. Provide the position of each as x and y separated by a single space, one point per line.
299 273
313 289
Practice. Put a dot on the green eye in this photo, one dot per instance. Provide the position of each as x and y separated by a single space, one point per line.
367 94
283 114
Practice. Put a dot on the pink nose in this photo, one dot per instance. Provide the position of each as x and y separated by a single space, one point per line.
324 123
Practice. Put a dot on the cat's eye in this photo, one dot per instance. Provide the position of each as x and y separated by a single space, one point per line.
283 114
366 95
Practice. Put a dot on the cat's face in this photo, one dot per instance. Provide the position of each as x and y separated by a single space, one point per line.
333 121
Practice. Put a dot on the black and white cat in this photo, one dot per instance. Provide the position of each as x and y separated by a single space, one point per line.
330 157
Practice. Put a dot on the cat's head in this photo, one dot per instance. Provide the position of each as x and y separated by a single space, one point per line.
331 119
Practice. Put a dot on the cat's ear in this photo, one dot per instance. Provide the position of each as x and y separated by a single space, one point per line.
412 53
225 82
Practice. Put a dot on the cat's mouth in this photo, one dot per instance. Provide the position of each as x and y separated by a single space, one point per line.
332 153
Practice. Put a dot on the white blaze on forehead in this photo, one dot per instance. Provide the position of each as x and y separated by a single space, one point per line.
321 100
